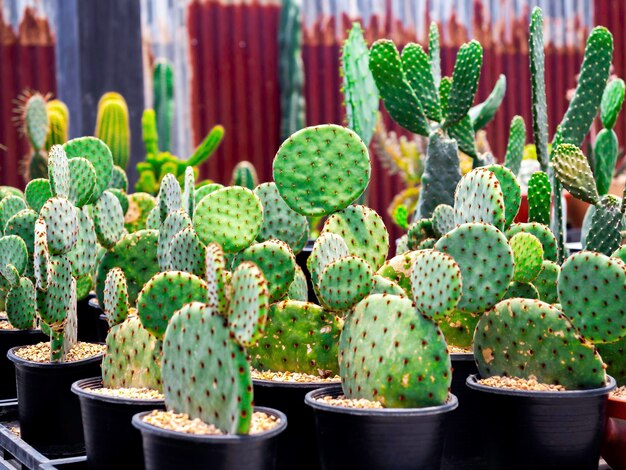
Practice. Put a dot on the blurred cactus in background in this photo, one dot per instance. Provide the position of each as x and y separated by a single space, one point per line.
163 89
112 127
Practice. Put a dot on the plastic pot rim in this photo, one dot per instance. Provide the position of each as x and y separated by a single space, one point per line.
310 399
296 385
472 382
82 387
93 301
49 365
200 439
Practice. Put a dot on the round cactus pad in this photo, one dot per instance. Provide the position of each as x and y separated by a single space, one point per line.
398 270
139 206
164 294
186 253
436 284
82 182
13 251
327 248
391 353
118 180
99 156
59 172
546 282
108 219
364 232
276 261
382 285
478 198
21 305
344 282
511 191
279 220
175 222
37 192
57 300
22 224
458 328
9 206
170 198
527 256
443 219
524 290
115 297
543 234
299 337
205 372
249 303
298 290
83 256
592 293
486 261
203 191
230 216
62 225
523 337
320 170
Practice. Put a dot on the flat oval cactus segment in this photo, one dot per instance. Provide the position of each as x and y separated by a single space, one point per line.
298 290
545 344
115 297
230 216
327 248
59 172
82 182
543 234
206 373
9 206
279 220
546 282
320 170
170 197
382 285
62 225
108 219
276 261
458 328
215 272
478 198
37 192
436 284
523 290
136 255
139 206
398 270
203 191
299 337
21 305
22 224
164 294
249 304
344 282
14 252
186 253
391 353
174 223
118 180
364 232
57 299
443 219
83 256
592 294
511 191
486 263
100 157
613 356
527 256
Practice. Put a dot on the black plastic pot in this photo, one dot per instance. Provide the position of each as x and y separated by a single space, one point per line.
373 439
92 327
299 438
542 430
112 442
10 339
49 413
170 450
464 446
301 259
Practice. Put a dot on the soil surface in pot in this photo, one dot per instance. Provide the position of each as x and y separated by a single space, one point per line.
459 350
293 377
131 393
343 402
515 383
40 352
181 422
5 325
619 392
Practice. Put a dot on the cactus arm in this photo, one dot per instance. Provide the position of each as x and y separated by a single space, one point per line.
539 195
484 112
210 143
464 81
538 88
515 147
416 66
434 53
149 131
463 132
612 101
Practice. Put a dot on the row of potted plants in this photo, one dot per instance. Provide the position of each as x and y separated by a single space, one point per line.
233 341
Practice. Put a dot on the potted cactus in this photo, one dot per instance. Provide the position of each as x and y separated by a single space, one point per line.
207 381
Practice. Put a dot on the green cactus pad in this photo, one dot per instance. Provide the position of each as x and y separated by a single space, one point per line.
539 198
174 223
205 373
605 153
572 169
244 174
99 156
298 290
322 169
118 180
215 272
400 99
9 206
524 290
364 232
21 305
41 255
170 197
62 224
546 282
541 232
419 231
436 284
249 304
165 293
153 221
132 358
511 191
22 224
443 219
203 191
463 132
299 337
115 297
11 275
592 294
327 248
186 253
607 223
56 301
382 285
344 282
122 198
484 112
231 217
82 182
611 104
538 87
276 261
391 353
515 146
59 172
279 220
545 345
13 250
139 206
467 67
84 286
613 356
416 67
486 263
108 219
479 198
458 328
83 256
37 192
527 255
136 255
189 189
398 270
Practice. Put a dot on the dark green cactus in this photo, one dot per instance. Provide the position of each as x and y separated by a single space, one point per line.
244 174
483 113
511 192
464 81
163 87
542 232
539 198
515 146
546 282
538 87
37 192
606 145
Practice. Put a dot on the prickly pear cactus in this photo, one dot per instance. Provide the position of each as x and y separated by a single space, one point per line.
443 219
464 80
215 276
391 353
478 198
244 174
115 297
298 290
249 304
9 206
607 223
21 305
541 232
572 169
62 224
524 290
108 219
511 191
398 270
515 146
98 154
139 206
344 282
527 257
186 253
458 328
175 222
545 344
546 282
37 192
539 198
327 248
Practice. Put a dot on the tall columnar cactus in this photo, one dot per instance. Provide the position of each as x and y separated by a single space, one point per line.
59 118
163 97
112 127
244 174
291 68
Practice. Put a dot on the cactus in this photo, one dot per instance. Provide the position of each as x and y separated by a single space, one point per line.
244 174
59 119
344 282
139 206
9 206
511 192
37 192
546 282
527 257
327 248
98 154
541 232
115 297
478 198
176 221
539 195
163 85
186 252
112 127
484 112
443 219
538 87
515 146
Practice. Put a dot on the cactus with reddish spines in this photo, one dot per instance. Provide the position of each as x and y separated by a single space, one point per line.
98 154
458 328
484 112
527 257
9 206
62 225
613 356
202 191
13 258
546 282
539 198
417 72
279 220
538 87
398 270
186 253
215 275
572 169
170 197
175 221
139 206
511 192
327 248
188 201
82 182
344 282
391 353
21 304
249 303
119 179
382 285
541 232
108 219
443 219
298 289
419 231
22 224
607 222
478 198
41 255
37 192
524 290
84 254
115 297
122 198
244 174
